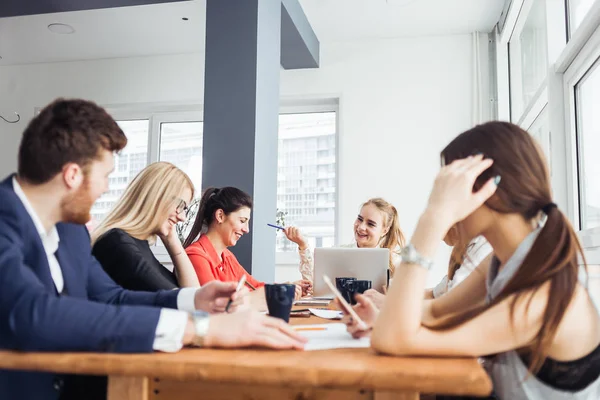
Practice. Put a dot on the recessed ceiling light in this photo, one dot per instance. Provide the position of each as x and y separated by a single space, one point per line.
62 29
185 18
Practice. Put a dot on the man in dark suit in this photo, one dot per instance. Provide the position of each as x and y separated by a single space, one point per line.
54 296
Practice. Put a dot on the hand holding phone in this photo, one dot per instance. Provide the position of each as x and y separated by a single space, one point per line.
347 307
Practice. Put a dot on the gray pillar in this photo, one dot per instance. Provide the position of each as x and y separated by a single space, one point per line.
241 112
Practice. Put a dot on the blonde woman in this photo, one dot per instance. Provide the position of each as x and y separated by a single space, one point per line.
376 225
152 205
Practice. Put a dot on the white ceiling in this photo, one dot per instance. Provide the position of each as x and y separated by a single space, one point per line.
340 20
159 29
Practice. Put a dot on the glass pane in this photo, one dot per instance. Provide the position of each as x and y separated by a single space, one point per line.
181 144
578 9
528 60
132 159
306 177
588 139
540 130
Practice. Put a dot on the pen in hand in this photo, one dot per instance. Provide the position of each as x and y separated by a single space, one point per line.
239 287
276 226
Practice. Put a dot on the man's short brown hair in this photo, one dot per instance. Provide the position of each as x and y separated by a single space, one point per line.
66 131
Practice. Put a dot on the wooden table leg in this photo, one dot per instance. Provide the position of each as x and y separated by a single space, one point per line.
128 388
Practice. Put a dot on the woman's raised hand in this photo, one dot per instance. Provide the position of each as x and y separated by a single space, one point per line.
452 197
294 235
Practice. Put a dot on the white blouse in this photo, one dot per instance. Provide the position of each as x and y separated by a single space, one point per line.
477 251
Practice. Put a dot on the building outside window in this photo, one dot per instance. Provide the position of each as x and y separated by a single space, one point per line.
132 159
306 179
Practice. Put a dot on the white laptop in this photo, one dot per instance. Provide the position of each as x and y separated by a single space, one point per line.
338 262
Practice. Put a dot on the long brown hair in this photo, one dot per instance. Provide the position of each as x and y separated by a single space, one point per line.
229 199
394 238
525 190
457 258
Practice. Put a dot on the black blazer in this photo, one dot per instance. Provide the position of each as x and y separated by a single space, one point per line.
96 315
131 263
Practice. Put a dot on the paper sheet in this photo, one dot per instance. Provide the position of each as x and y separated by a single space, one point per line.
327 314
330 336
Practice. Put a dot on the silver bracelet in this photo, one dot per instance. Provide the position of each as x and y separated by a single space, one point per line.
410 255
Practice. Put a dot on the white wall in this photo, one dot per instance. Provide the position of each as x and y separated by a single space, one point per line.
401 101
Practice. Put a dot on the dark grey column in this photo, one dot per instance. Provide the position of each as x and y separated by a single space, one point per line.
299 44
241 111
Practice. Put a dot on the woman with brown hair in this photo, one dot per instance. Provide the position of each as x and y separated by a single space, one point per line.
223 218
532 302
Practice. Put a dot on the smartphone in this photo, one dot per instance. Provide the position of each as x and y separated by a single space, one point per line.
347 307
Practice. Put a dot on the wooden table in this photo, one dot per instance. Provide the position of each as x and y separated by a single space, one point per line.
264 374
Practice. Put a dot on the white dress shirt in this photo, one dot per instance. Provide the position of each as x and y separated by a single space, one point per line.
171 323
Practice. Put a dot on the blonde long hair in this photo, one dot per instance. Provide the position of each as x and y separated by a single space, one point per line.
394 238
146 202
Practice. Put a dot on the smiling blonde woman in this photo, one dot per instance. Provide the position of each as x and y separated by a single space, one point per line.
152 205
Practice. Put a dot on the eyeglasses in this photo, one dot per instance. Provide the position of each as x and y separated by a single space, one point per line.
182 207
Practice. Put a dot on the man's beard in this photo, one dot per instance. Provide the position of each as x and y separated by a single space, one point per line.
77 206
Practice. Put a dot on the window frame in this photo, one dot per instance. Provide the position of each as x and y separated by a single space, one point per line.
157 119
585 60
570 55
528 111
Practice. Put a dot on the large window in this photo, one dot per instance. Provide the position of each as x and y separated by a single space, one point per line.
128 163
181 144
306 178
528 59
172 137
587 106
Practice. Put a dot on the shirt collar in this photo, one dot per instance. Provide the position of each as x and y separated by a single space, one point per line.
210 250
50 238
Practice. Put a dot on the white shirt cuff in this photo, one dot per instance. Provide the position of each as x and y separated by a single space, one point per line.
170 330
185 299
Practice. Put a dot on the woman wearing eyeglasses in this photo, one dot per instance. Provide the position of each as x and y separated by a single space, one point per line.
152 205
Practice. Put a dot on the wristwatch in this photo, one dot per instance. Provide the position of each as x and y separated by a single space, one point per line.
410 255
201 321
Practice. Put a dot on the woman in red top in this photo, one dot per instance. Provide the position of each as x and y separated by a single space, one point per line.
222 219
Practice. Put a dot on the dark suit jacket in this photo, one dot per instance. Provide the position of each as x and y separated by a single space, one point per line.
95 316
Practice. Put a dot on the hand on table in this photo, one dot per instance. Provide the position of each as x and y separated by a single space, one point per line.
250 328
